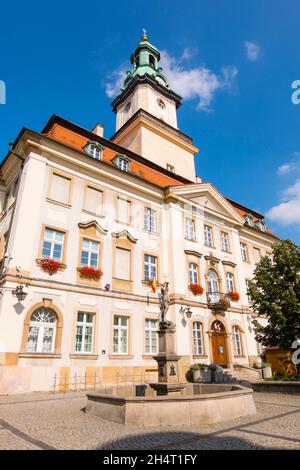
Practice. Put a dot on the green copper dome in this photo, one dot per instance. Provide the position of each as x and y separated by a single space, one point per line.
145 61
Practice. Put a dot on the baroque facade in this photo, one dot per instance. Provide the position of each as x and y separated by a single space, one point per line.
89 226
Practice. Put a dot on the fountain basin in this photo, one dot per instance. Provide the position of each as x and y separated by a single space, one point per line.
197 404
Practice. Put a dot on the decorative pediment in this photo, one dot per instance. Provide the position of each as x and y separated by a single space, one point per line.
207 199
228 263
92 224
193 253
124 234
212 259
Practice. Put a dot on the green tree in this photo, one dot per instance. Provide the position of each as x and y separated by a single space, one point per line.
275 293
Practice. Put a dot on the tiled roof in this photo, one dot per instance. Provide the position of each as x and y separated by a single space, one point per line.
77 141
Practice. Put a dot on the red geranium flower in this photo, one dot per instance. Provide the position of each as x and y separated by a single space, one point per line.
197 289
50 265
90 272
234 296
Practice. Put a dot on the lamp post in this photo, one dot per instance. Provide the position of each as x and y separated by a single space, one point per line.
186 311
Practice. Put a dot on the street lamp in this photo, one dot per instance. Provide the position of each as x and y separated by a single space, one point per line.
19 293
186 311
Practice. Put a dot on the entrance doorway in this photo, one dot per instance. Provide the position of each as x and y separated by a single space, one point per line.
218 343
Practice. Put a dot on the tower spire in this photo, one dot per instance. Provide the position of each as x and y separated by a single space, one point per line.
144 35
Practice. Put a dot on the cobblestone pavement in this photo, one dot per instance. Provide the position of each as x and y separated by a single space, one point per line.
57 421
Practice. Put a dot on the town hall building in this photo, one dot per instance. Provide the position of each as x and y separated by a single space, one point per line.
89 229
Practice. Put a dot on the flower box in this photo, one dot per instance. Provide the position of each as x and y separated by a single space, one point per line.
196 289
234 296
89 272
51 266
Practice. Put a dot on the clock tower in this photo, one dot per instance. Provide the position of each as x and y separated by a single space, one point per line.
146 114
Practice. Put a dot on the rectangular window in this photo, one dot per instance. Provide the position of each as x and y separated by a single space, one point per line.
123 263
124 209
53 244
225 241
89 253
244 253
150 267
149 219
247 286
198 338
256 254
237 346
151 336
189 229
84 332
60 188
208 238
120 335
93 200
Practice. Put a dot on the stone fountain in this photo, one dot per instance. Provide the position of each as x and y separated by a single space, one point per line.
169 402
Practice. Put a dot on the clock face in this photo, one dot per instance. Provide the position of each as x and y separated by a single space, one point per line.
161 103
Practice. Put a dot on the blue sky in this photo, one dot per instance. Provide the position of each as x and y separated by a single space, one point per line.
233 61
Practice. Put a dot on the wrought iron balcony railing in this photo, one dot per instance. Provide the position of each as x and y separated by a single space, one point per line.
218 300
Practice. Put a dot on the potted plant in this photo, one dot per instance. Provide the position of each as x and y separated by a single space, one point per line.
89 272
267 370
234 296
196 289
51 266
201 373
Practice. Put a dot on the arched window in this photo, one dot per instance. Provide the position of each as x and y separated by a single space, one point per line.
151 60
123 164
212 281
230 282
42 331
198 338
237 343
193 273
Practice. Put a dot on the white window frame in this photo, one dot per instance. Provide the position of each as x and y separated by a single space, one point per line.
237 341
84 325
123 164
198 349
149 219
41 329
208 235
225 242
96 152
193 273
230 282
148 265
53 242
119 328
151 336
244 251
90 251
190 229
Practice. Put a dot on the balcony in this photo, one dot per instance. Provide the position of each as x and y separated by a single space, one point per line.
218 300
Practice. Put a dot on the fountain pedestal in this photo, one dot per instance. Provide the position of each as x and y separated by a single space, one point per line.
167 361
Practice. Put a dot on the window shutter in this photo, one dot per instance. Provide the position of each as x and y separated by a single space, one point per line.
122 264
124 211
93 200
60 188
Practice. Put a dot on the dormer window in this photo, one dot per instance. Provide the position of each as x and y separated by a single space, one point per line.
122 163
94 149
249 220
260 225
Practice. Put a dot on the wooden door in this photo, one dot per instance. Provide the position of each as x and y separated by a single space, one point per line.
219 349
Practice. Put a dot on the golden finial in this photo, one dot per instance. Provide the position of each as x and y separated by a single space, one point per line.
145 35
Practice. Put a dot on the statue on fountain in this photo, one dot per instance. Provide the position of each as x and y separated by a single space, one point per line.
164 303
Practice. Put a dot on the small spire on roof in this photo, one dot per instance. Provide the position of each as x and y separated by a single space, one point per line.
145 35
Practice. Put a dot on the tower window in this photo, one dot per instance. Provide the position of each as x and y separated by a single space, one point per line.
170 168
151 61
127 107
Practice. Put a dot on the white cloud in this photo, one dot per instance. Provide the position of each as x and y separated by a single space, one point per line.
253 51
114 81
288 211
289 167
196 83
191 83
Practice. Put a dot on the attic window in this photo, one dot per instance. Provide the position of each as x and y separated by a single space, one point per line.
260 225
170 168
94 149
249 220
122 163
